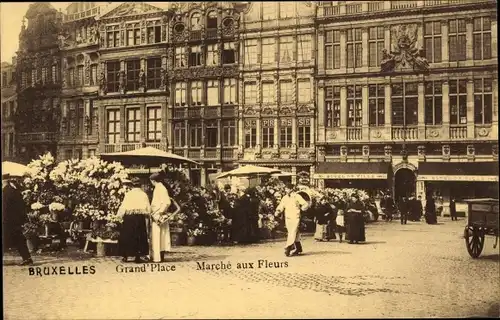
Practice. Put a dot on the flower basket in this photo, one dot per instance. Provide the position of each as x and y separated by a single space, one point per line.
177 236
191 240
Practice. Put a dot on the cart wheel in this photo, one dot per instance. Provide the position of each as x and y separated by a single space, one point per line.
474 239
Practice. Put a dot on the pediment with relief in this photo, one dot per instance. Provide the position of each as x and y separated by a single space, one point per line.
131 8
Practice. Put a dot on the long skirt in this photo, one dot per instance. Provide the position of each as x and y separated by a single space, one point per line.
160 240
293 234
324 231
355 227
133 240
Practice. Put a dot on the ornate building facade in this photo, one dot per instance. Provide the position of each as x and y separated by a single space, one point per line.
9 108
277 66
38 82
408 91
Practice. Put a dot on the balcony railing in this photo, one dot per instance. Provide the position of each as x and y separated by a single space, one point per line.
354 134
194 154
195 35
211 154
458 132
404 4
179 113
354 8
331 11
211 33
36 137
375 6
194 112
227 153
402 133
123 147
82 15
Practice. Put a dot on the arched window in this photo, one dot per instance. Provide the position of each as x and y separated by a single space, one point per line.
196 21
212 20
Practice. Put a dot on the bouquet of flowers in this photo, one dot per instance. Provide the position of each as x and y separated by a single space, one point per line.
196 232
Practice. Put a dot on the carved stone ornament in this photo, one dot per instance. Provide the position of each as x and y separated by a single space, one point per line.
142 79
121 81
366 151
434 133
285 110
446 150
267 110
470 150
377 134
388 151
249 111
421 151
102 83
405 52
343 151
483 132
494 150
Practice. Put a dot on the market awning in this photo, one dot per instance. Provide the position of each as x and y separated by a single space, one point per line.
458 171
352 170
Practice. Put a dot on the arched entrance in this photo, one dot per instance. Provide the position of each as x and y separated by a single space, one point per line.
404 183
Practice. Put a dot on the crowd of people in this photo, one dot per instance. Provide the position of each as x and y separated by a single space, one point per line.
410 208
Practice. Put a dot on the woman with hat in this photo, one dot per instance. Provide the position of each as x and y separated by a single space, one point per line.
160 228
355 223
135 210
325 215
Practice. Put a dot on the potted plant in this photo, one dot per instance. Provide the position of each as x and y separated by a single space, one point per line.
30 231
191 236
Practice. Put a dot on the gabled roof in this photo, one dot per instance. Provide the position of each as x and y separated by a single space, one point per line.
130 8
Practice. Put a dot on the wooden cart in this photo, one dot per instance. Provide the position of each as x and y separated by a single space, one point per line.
482 220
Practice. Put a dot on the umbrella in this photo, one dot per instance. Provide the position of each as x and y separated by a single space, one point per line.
14 169
249 170
145 156
283 174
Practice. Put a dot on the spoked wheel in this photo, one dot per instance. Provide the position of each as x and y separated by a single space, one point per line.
474 240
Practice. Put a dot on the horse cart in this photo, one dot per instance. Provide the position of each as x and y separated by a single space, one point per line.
482 220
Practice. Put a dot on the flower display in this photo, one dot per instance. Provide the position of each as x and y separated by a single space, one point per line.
37 206
56 206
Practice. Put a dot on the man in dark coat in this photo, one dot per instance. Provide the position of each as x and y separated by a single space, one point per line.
419 208
403 210
453 209
389 208
14 216
430 210
227 211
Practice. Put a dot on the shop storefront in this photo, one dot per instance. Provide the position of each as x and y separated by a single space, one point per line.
372 177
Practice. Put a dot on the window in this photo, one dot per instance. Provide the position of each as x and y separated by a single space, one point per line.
133 36
332 49
354 48
483 101
113 39
457 40
4 79
196 21
34 76
195 56
212 20
286 50
55 74
212 92
44 75
286 92
195 133
93 75
287 9
211 133
251 54
133 125
113 75
250 93
154 124
376 104
154 34
179 134
228 133
180 57
304 91
154 73
268 10
268 92
482 38
286 133
376 43
133 70
180 93
196 93
228 53
212 55
79 117
25 80
404 104
332 103
230 91
113 126
250 133
71 77
268 51
433 103
304 48
304 127
354 106
432 41
267 133
80 76
458 101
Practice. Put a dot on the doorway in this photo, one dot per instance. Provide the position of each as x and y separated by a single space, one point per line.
404 183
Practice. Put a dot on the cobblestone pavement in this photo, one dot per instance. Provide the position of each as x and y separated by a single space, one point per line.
415 270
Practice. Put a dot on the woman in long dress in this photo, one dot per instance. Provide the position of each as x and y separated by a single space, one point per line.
325 218
134 210
355 222
160 227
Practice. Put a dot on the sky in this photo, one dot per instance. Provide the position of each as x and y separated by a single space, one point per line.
11 17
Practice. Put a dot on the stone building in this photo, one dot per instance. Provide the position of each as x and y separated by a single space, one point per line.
421 115
38 83
277 67
9 107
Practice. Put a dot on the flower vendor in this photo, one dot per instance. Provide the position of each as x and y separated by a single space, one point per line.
226 206
245 219
135 210
292 204
325 215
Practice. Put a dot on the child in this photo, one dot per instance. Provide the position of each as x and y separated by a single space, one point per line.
340 224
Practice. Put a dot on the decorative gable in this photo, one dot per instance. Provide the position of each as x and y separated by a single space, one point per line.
131 8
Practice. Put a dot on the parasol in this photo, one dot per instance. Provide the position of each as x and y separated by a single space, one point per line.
249 170
282 174
14 169
145 156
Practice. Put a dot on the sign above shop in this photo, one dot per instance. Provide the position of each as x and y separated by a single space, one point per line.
457 178
354 176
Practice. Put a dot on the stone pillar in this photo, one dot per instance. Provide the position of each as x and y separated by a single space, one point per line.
294 175
364 53
320 104
444 42
470 36
102 127
470 108
123 123
312 171
421 109
446 108
258 135
388 104
313 133
366 113
276 133
241 132
343 50
294 131
420 189
494 40
343 106
495 102
144 122
203 174
320 49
